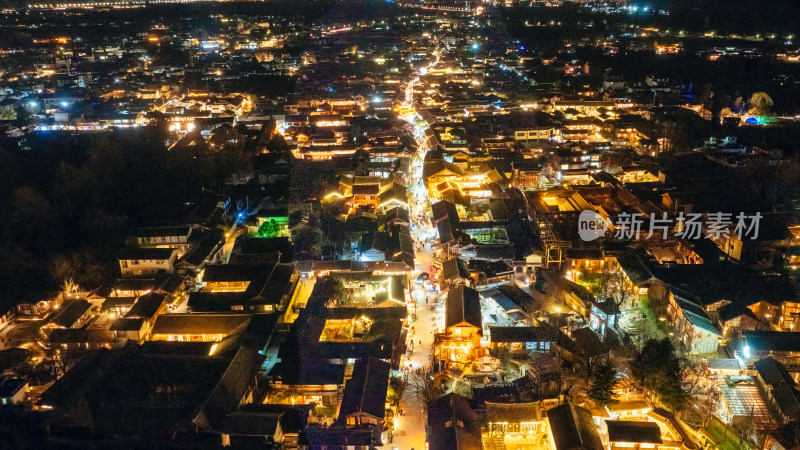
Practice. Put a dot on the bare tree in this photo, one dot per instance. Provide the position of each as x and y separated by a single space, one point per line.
70 286
694 373
616 285
707 406
425 385
745 429
764 434
696 382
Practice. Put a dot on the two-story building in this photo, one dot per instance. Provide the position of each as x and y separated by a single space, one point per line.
570 427
197 327
692 326
780 345
780 389
631 434
463 324
364 398
164 237
540 339
71 314
516 423
735 318
148 261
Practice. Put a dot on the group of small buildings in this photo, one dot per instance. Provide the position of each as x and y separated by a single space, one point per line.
709 295
458 422
243 364
214 340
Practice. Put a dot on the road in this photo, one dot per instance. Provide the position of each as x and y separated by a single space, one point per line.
230 240
410 427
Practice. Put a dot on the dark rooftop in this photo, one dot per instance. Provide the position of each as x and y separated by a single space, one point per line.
235 272
123 324
573 428
454 424
147 305
778 341
633 431
69 312
454 268
464 306
163 231
80 336
148 254
773 372
216 302
366 391
200 323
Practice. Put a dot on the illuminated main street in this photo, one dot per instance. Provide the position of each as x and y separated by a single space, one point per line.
426 316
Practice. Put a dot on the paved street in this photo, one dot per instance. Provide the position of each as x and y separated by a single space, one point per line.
410 428
230 240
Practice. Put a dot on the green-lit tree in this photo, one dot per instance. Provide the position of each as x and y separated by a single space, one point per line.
268 229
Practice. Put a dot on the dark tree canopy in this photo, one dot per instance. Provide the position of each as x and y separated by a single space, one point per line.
603 381
71 200
658 369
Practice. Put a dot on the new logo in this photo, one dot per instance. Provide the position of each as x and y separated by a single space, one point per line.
591 225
